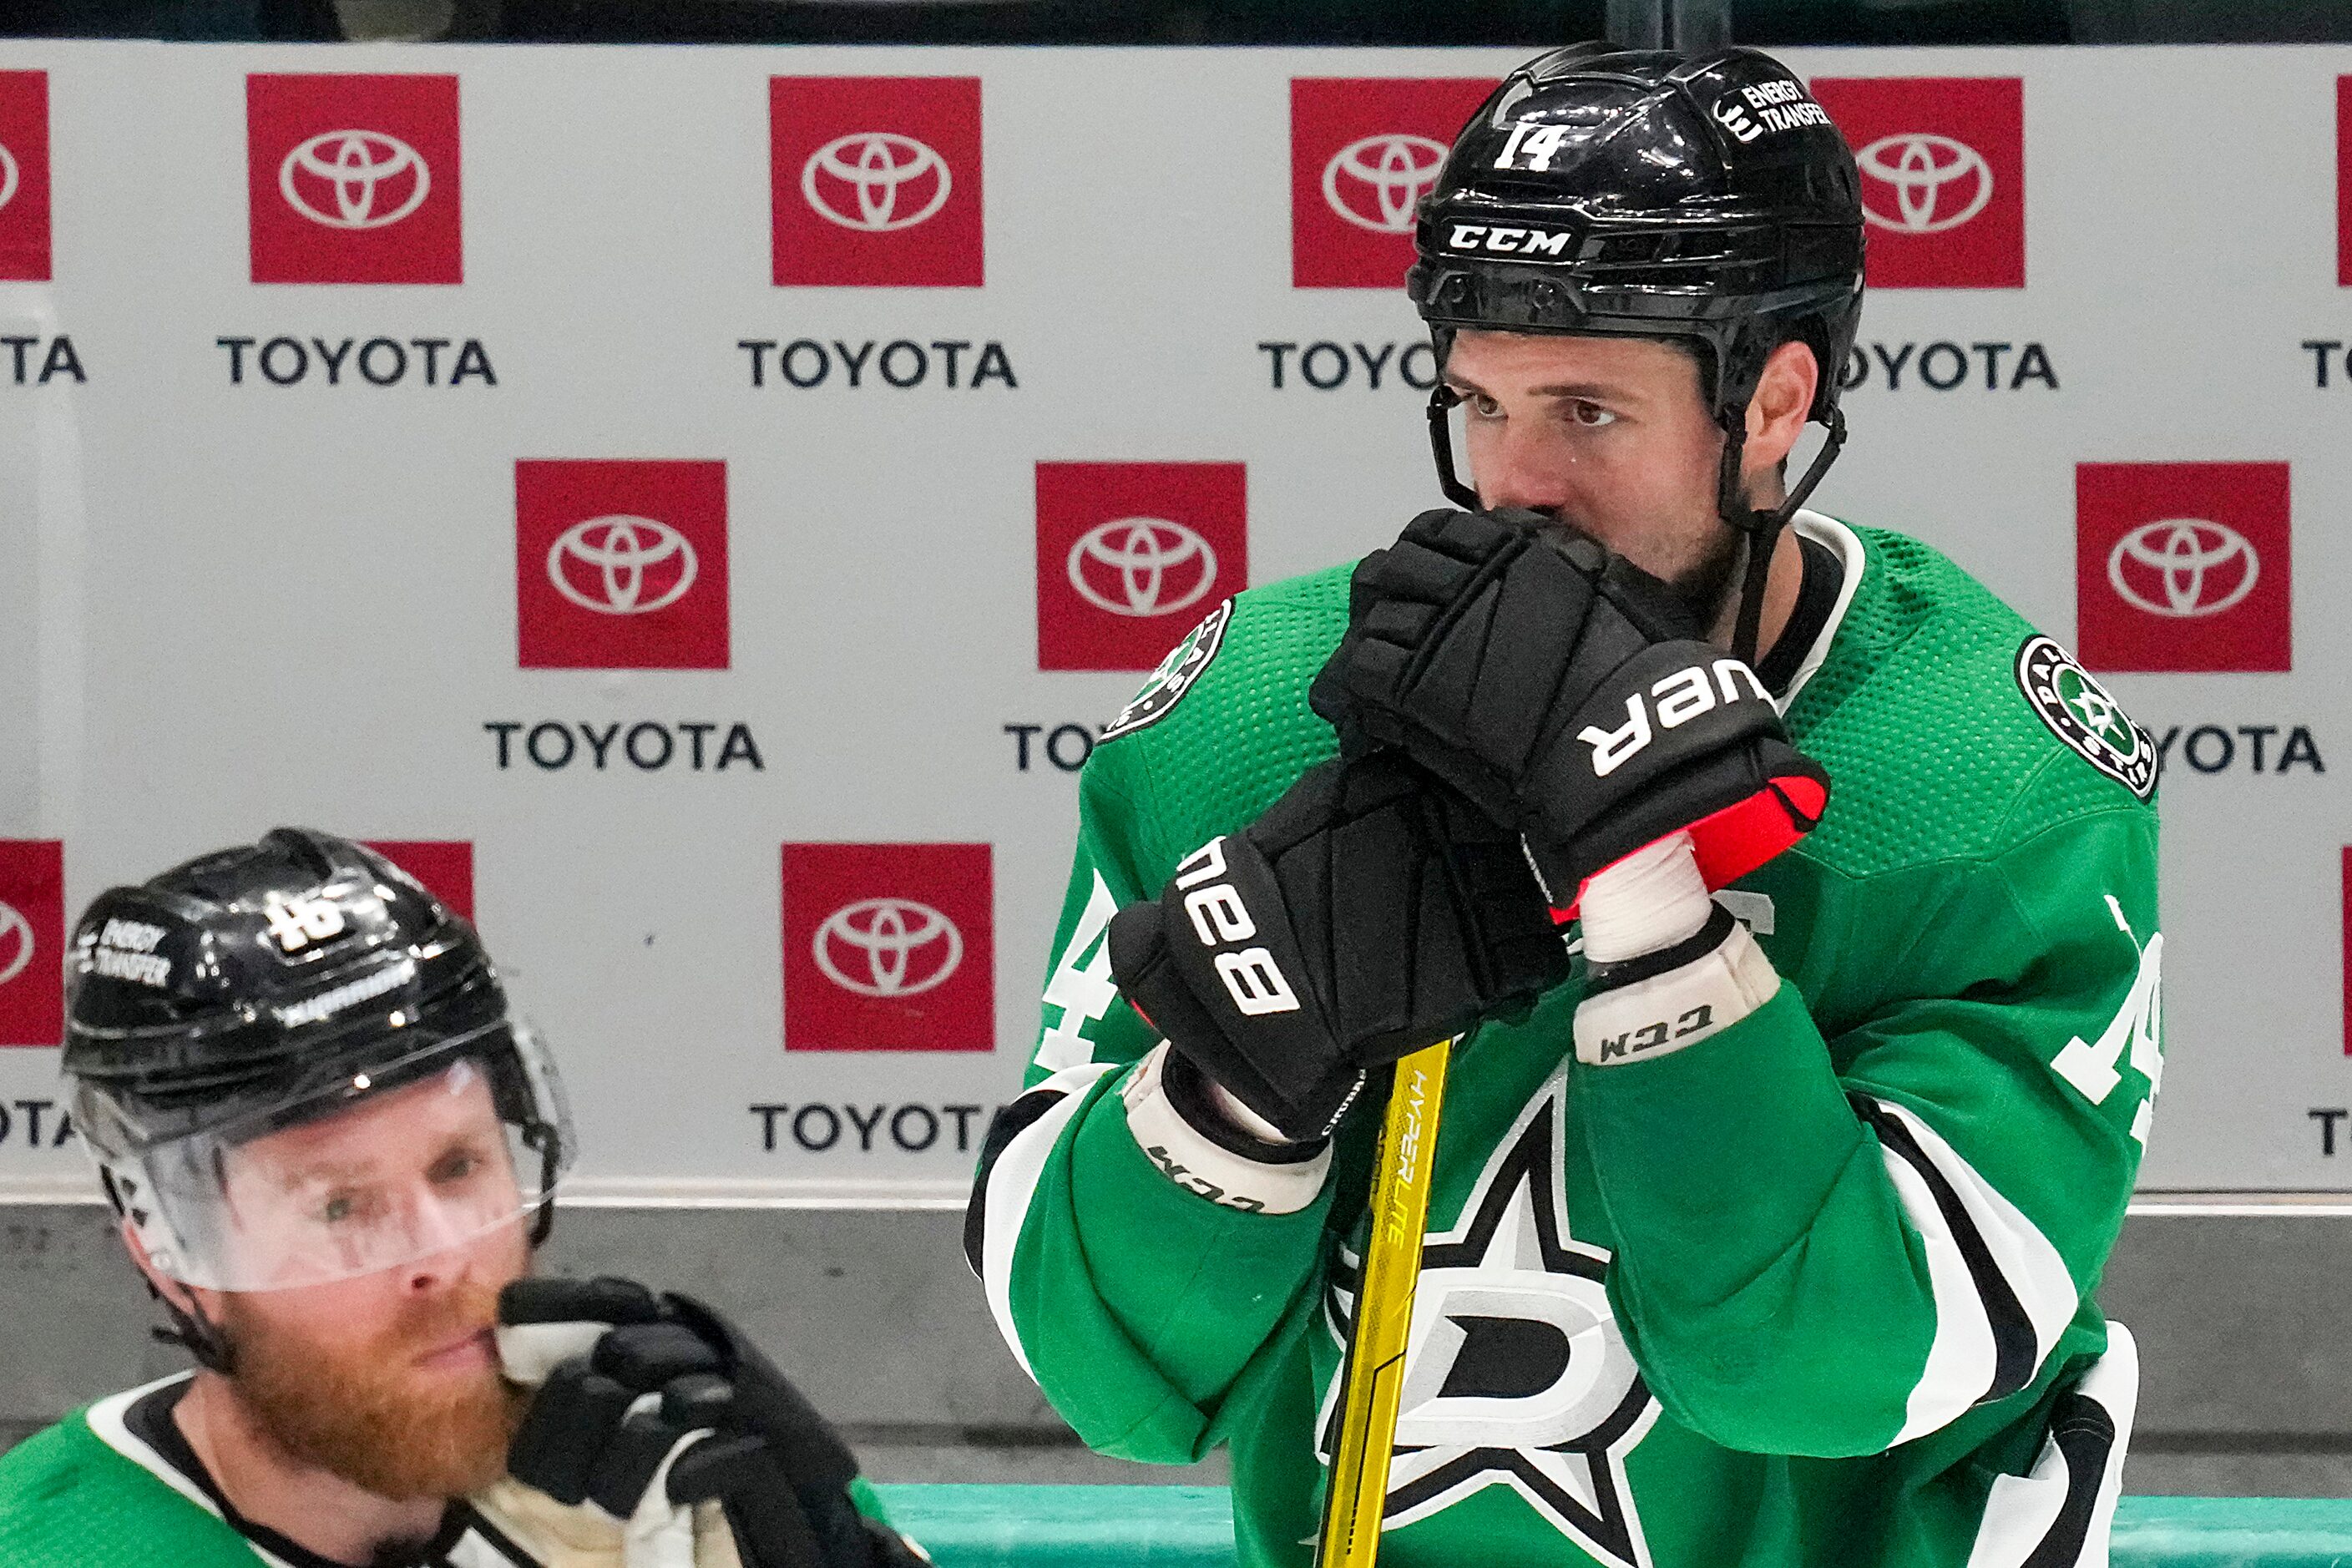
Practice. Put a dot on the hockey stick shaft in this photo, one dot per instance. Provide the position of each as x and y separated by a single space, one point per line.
1373 1378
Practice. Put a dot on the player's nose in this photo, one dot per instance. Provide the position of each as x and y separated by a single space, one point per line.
1523 470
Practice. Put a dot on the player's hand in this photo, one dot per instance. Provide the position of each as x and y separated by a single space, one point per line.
1370 911
1570 695
645 1406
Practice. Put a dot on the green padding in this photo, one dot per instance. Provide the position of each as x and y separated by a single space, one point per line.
1036 1527
1192 1526
2225 1533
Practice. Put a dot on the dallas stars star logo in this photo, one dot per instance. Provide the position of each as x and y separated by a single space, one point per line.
2081 712
2094 710
1516 1373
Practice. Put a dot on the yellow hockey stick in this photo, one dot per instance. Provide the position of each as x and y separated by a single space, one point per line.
1373 1378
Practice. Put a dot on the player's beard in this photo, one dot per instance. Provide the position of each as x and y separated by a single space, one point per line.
362 1412
1706 584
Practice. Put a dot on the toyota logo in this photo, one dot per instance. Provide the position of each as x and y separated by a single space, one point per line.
363 170
1390 172
2182 567
1143 566
878 165
16 944
1939 183
895 947
8 177
631 565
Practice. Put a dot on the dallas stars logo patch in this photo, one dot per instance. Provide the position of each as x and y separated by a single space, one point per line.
1516 1373
1174 676
2080 713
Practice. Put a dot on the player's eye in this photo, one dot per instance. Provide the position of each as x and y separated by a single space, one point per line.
341 1207
1480 405
1589 415
455 1165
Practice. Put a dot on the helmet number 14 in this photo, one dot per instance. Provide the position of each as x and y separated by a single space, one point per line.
1535 144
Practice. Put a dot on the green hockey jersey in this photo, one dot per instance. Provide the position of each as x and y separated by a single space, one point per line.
116 1486
1814 1290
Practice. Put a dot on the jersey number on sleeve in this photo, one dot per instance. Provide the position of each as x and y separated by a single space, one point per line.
2090 1066
1081 986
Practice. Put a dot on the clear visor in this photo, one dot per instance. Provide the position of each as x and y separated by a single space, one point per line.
369 1171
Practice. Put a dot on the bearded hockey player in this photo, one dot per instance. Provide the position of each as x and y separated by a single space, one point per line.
1764 1226
334 1149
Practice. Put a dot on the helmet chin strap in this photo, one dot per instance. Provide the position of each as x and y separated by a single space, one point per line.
1761 528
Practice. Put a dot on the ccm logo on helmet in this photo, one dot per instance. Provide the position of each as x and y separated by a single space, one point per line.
1509 241
1680 698
1219 916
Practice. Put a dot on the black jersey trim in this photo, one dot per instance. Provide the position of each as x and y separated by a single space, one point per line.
1002 1128
2016 1352
150 1419
2085 1433
1817 597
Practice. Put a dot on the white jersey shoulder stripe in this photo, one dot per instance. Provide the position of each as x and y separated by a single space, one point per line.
2002 1295
1008 1187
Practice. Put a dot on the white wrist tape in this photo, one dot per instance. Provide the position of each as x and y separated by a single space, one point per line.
1659 1015
1652 899
1242 1116
1206 1168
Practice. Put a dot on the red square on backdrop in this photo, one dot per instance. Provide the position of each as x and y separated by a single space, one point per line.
2343 180
1130 555
2182 566
446 867
875 181
32 942
1363 150
24 176
621 565
888 947
1943 177
354 179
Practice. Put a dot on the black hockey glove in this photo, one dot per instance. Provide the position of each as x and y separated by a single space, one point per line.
647 1405
1370 911
1570 695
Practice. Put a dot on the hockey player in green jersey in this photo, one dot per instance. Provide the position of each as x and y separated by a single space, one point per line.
1764 1226
332 1151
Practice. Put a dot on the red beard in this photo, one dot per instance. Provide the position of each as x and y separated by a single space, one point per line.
364 1415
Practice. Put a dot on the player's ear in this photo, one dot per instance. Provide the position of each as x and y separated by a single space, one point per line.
1784 397
185 1298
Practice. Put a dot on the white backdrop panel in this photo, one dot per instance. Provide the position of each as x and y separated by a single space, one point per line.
224 606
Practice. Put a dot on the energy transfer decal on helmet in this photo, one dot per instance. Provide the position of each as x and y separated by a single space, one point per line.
1767 107
2080 713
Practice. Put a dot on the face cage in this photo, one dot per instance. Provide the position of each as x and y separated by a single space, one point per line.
526 1095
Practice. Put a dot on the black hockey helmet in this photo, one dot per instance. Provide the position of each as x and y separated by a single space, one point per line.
1706 200
270 986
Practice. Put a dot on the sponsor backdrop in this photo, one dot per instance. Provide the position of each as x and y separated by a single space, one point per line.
696 508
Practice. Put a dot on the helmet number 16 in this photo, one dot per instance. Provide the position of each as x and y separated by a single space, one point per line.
298 922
